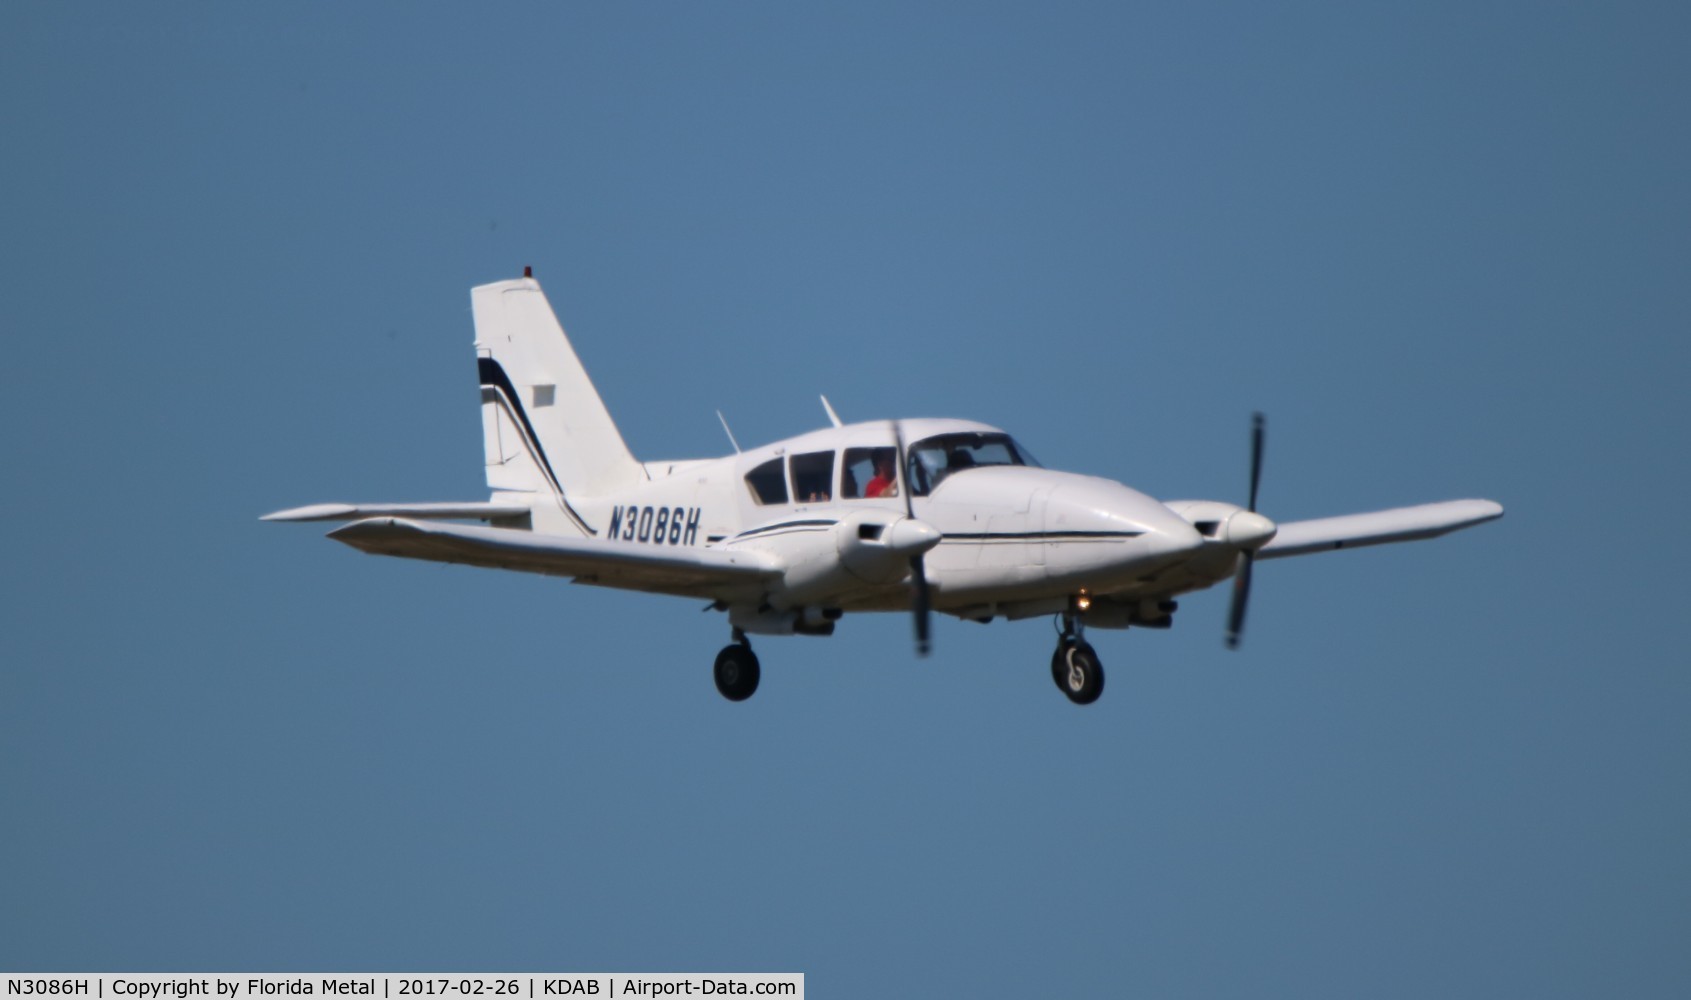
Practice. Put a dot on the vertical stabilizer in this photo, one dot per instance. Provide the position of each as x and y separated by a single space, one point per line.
544 427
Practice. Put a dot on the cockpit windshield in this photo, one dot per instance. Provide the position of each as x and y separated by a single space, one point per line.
933 459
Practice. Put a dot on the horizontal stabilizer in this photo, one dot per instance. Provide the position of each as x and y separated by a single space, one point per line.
664 570
353 512
1402 524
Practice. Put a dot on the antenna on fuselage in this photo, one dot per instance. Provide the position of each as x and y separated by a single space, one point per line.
835 417
730 433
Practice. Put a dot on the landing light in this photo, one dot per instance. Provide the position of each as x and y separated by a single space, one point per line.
1082 602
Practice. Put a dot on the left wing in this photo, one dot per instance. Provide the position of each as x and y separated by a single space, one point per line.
1401 524
687 572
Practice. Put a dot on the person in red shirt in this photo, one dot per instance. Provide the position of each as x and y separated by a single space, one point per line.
885 483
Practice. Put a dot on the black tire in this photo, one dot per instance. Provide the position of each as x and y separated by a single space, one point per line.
1060 662
1078 673
737 672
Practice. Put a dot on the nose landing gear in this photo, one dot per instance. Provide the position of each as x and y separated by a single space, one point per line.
1074 666
737 671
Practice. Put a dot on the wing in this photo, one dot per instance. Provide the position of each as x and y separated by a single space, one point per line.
1401 524
353 511
687 572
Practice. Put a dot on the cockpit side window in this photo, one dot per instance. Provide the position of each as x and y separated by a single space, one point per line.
768 482
813 477
933 459
869 472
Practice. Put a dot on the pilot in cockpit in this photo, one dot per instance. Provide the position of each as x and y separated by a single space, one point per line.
955 460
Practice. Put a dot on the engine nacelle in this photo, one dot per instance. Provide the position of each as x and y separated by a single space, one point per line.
1227 523
867 546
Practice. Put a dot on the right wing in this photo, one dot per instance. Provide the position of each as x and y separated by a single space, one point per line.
1401 524
687 572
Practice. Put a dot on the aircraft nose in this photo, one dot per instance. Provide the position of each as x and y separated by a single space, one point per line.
1102 534
1107 508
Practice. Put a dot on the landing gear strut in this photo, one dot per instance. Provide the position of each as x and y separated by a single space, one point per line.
1074 666
737 669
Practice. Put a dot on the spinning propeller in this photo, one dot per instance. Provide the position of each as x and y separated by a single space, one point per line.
920 600
1248 531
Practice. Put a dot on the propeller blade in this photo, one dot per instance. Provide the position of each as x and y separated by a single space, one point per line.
1241 596
1256 458
903 470
1255 535
921 603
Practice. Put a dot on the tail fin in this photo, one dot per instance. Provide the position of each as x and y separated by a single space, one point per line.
544 427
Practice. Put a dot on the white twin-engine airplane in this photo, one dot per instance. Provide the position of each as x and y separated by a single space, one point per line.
891 515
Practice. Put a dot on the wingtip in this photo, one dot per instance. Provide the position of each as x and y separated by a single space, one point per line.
1486 510
1474 510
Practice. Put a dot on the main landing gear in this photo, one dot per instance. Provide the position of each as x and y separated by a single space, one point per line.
737 670
1074 666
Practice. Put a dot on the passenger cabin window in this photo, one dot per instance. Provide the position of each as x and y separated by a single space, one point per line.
768 482
813 477
869 473
933 459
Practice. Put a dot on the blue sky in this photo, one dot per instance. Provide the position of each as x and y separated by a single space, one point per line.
1444 248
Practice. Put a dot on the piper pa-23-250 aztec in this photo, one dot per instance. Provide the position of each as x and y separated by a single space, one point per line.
912 516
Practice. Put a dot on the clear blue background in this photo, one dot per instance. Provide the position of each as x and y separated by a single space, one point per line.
1444 246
